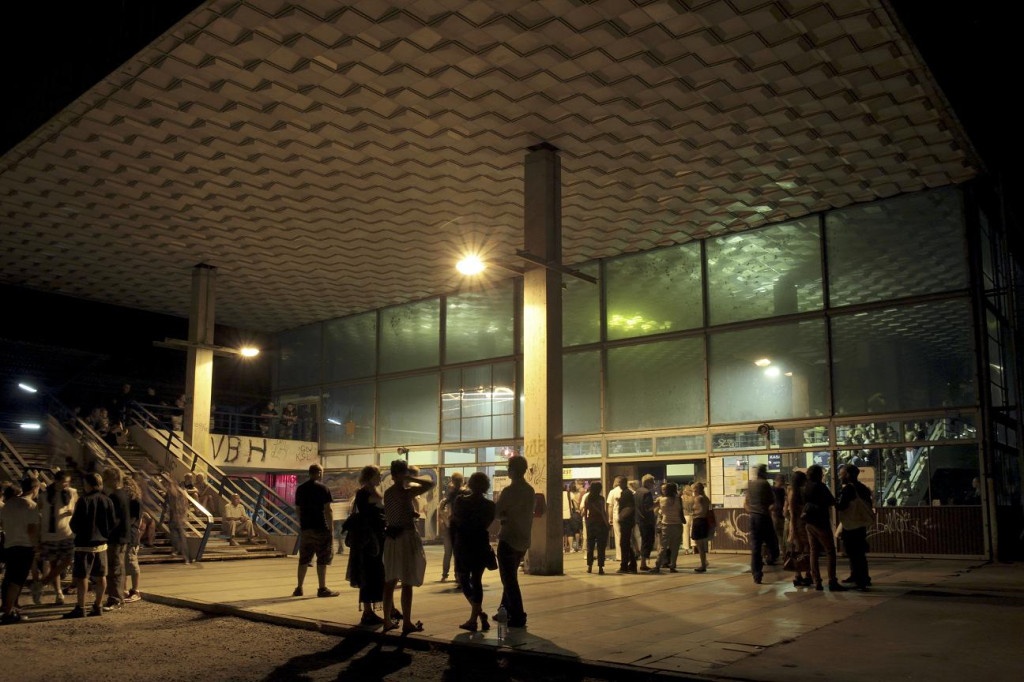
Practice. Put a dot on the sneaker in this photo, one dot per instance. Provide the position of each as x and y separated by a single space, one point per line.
59 599
501 616
700 569
37 592
324 592
112 605
12 618
836 586
297 592
77 612
233 542
133 597
96 610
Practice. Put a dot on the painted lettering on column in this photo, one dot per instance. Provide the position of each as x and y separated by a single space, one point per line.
253 447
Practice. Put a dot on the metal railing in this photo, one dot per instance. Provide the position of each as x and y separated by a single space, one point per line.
269 511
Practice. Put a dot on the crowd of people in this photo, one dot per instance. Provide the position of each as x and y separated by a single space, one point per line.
646 525
96 536
386 552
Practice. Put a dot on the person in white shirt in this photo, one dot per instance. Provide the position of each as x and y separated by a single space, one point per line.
613 514
236 520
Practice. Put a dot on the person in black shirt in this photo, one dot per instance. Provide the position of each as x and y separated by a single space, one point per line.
627 519
316 521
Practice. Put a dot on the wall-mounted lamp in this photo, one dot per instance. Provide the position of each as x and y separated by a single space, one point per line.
223 351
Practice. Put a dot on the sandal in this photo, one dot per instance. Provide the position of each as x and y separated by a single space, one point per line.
415 627
469 625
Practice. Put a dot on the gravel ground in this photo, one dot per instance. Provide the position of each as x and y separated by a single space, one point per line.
151 642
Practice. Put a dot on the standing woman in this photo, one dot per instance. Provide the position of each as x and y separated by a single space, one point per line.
132 570
687 497
366 558
404 558
670 509
701 529
793 513
595 516
472 515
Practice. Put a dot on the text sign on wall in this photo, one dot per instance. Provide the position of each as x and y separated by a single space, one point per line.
254 452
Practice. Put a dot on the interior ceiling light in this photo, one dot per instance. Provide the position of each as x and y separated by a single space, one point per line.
763 362
470 265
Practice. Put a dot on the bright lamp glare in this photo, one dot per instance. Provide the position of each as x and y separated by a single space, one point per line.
772 372
26 387
763 362
470 265
31 426
332 420
249 351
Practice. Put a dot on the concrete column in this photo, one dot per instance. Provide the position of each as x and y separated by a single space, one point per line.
199 372
542 352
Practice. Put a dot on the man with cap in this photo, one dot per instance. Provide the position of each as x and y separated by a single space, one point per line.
759 501
856 515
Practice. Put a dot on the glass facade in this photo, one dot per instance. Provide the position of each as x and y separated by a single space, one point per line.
831 339
765 273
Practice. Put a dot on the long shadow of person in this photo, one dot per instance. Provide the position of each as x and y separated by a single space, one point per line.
367 659
543 662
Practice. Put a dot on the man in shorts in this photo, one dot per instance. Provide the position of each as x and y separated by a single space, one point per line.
20 519
92 521
316 521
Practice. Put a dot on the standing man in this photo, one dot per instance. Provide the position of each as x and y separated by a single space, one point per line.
627 520
444 525
20 520
92 521
613 513
515 512
758 505
316 521
856 515
118 537
645 520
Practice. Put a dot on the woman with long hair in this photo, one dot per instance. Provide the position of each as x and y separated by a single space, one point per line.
595 516
701 530
472 515
366 544
793 512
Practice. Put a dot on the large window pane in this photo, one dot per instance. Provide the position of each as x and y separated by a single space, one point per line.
581 392
477 403
768 373
654 292
581 309
407 411
904 358
656 385
912 244
480 325
350 347
409 336
348 416
299 355
765 273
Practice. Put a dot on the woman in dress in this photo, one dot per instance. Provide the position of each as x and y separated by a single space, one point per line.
793 512
701 529
595 516
670 511
404 558
472 515
366 557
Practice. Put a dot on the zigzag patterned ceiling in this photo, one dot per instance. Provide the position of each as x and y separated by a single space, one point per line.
329 158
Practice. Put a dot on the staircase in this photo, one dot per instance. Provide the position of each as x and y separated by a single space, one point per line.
217 549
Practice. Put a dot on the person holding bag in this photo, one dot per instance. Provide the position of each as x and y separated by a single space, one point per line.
856 515
472 515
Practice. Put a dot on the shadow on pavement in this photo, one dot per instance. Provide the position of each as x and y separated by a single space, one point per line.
367 659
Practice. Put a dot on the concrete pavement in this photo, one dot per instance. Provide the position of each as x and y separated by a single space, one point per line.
923 619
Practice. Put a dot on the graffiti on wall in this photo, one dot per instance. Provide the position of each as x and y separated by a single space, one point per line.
262 453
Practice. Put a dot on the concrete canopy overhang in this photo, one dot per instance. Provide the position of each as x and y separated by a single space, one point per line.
329 158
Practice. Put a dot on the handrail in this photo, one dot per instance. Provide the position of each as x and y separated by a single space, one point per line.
278 517
93 440
15 466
